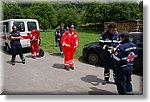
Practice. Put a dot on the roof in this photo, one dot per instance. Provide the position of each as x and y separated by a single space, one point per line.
17 20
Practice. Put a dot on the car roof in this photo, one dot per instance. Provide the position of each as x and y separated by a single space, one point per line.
135 33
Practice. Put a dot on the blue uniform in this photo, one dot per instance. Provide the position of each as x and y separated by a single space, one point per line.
124 56
111 40
16 46
56 36
59 38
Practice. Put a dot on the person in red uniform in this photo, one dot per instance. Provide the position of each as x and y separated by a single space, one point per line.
69 43
34 38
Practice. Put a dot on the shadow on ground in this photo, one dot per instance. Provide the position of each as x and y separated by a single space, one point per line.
58 66
96 91
28 56
55 54
9 62
92 79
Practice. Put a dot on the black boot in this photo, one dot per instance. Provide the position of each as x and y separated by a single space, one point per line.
23 60
72 68
105 81
66 68
13 62
62 55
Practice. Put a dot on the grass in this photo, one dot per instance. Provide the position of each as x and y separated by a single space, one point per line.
48 41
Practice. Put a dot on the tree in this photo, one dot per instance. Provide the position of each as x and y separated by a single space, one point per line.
67 16
11 11
44 13
118 11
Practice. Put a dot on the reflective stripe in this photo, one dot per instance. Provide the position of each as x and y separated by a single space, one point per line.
104 47
106 74
66 64
75 46
114 75
37 54
127 65
116 58
115 41
75 35
77 42
125 58
131 48
71 62
65 44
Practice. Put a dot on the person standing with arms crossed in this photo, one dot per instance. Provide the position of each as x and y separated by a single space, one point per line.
16 45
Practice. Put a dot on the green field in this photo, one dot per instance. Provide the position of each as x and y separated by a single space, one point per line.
48 41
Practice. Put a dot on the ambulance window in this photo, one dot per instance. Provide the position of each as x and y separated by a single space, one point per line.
31 26
20 26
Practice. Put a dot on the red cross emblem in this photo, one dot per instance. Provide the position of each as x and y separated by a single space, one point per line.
131 57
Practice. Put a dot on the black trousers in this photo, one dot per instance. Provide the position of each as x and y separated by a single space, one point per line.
16 49
59 42
56 40
108 63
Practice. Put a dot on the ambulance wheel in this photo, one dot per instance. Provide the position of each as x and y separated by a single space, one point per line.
93 58
8 50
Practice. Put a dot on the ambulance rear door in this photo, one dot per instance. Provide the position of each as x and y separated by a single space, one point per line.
31 25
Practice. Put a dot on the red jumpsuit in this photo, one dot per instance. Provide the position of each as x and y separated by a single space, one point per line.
34 38
69 43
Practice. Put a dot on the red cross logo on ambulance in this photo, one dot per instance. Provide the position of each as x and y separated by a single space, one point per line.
131 57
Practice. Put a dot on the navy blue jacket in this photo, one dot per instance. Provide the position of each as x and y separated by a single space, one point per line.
110 39
15 34
125 53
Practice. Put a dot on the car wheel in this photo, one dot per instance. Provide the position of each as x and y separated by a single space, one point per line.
93 58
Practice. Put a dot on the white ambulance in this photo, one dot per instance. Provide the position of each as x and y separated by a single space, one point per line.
24 26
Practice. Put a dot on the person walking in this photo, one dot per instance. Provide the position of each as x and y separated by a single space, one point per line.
69 43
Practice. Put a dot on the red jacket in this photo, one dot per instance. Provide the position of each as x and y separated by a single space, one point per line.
34 35
70 39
